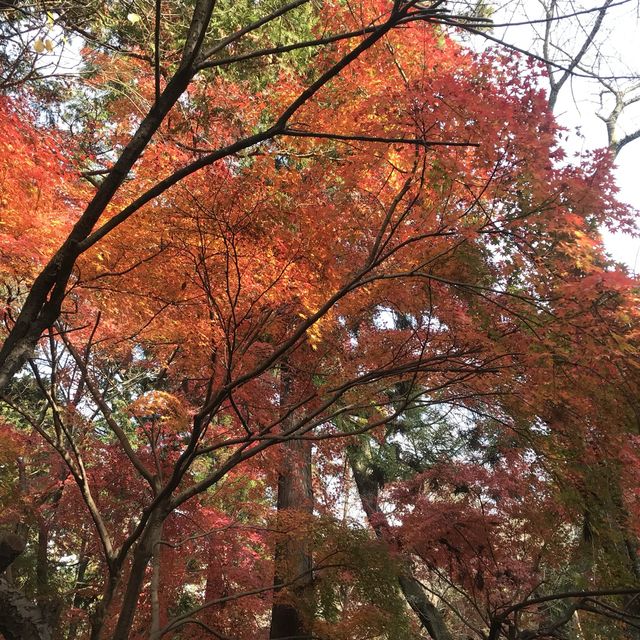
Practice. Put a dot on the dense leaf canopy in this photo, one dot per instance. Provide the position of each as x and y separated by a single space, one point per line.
308 331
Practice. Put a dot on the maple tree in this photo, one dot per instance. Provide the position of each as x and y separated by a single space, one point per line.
373 258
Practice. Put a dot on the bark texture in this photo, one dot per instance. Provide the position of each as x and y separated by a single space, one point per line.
20 618
292 557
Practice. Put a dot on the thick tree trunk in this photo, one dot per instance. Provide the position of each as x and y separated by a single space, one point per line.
20 619
292 556
11 546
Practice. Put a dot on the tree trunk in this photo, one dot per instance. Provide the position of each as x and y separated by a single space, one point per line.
141 557
369 481
292 555
428 614
11 546
42 563
20 619
102 608
83 563
156 613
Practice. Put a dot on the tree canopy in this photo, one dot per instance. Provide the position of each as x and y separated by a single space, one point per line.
308 330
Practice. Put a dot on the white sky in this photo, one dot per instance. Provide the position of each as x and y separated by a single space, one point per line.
619 41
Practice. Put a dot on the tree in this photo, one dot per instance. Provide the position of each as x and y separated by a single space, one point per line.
580 50
43 303
400 236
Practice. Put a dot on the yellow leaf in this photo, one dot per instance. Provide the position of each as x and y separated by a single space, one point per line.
133 18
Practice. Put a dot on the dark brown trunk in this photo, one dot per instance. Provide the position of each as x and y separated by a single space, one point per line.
11 546
290 617
156 581
141 557
97 619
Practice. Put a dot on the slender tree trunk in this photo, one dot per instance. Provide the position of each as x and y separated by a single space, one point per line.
155 588
83 563
292 555
141 557
368 481
42 563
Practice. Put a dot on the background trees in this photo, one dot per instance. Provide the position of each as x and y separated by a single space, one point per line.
363 275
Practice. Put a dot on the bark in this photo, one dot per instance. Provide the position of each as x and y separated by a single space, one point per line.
50 605
141 557
369 481
428 614
42 563
100 613
11 546
292 555
78 600
20 619
156 566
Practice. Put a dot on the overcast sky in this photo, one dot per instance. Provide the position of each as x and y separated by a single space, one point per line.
619 41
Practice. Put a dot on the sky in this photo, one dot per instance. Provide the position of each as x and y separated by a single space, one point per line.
618 42
573 113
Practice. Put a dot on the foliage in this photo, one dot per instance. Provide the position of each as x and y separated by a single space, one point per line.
285 292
